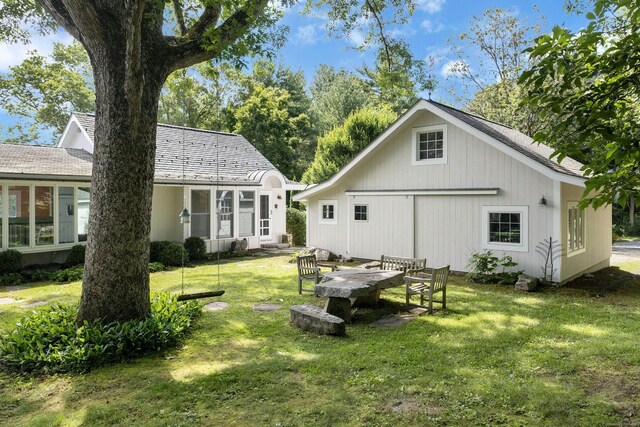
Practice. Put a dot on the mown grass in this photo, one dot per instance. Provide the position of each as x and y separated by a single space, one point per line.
496 356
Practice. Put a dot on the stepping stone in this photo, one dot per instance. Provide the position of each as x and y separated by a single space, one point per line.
266 307
16 288
418 311
393 321
216 306
313 319
7 301
34 304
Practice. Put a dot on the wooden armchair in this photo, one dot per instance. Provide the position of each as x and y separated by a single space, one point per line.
309 270
408 265
427 285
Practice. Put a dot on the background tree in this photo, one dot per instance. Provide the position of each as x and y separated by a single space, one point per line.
131 57
588 82
45 90
341 144
489 78
337 94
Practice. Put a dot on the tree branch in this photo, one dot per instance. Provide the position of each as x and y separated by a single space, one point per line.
209 18
177 8
385 43
184 52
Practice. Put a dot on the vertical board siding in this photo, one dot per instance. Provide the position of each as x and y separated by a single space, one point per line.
446 229
165 208
597 235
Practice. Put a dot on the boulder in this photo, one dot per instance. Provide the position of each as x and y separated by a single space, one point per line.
325 255
526 283
313 319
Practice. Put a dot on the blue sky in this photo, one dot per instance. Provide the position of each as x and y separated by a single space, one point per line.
309 45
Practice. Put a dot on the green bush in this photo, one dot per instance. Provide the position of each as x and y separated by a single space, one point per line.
11 279
71 274
10 261
49 341
76 256
196 248
154 267
168 253
297 226
483 268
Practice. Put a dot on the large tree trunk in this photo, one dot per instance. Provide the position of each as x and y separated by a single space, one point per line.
116 277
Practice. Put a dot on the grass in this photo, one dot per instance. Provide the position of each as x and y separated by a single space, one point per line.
496 356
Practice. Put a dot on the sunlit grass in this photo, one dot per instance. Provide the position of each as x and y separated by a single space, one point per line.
496 356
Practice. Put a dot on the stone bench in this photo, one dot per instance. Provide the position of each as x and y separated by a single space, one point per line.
313 319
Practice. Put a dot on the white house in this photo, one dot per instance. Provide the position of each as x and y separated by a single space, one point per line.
231 189
442 184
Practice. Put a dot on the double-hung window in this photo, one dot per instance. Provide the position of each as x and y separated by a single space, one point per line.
575 231
224 200
201 214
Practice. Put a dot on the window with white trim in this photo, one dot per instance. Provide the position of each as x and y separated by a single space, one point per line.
430 145
506 228
360 212
575 231
328 212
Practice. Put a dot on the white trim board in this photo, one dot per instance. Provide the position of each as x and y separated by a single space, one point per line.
434 192
425 105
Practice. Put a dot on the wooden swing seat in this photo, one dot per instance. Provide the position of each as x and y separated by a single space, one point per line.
186 297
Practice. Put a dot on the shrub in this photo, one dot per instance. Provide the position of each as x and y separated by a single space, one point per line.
297 226
168 253
76 256
71 274
49 341
484 269
11 279
154 267
38 275
196 248
10 261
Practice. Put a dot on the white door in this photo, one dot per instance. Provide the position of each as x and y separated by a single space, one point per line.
265 216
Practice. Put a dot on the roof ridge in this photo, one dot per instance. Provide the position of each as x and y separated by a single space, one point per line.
174 126
477 116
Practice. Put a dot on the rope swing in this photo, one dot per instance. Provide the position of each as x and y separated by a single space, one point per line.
185 218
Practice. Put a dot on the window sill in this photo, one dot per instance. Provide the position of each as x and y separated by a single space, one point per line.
505 247
427 162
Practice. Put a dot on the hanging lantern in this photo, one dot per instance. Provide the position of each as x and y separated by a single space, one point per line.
185 216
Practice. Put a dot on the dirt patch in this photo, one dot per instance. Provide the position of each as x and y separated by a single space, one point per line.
602 282
623 390
411 405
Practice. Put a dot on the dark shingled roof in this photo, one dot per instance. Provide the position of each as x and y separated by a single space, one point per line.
16 160
517 140
203 151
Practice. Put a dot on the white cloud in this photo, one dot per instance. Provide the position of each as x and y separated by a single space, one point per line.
14 54
430 27
431 6
452 68
308 34
356 37
437 53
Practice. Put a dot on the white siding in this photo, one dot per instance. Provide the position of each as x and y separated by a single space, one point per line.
443 229
165 208
597 236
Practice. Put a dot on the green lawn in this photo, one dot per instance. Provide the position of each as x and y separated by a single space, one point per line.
497 356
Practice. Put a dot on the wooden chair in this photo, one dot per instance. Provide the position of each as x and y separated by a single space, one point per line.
408 265
309 270
427 285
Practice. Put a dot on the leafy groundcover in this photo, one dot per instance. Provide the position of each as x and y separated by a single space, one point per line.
48 341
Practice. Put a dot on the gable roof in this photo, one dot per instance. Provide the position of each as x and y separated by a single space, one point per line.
207 154
21 161
506 139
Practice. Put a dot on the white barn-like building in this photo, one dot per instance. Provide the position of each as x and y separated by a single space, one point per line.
232 191
441 184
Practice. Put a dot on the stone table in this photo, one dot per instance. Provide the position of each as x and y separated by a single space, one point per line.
344 287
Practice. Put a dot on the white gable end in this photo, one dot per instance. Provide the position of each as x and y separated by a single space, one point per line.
75 136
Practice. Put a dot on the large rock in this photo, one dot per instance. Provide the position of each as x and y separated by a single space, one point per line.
313 319
526 283
325 255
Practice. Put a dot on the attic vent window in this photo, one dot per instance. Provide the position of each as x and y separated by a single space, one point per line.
430 145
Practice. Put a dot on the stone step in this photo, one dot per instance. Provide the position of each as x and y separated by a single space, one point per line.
313 319
274 245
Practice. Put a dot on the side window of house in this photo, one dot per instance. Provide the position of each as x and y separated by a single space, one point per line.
575 230
360 213
328 212
505 228
430 145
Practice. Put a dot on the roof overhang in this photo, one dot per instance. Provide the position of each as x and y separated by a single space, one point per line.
423 105
36 177
429 192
